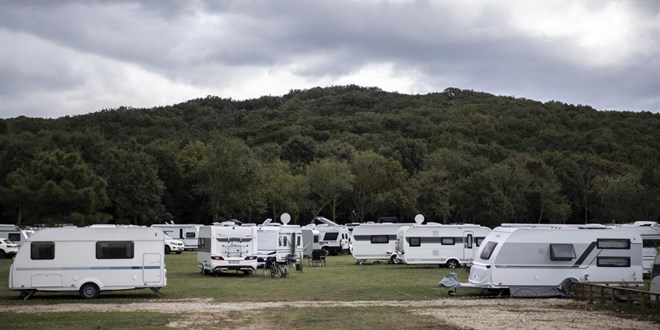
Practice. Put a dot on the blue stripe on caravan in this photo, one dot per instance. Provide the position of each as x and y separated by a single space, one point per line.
89 268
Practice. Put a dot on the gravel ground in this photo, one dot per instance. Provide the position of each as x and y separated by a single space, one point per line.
464 313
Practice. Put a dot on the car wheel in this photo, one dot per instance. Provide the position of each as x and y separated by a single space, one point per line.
178 252
2 254
451 264
89 291
167 249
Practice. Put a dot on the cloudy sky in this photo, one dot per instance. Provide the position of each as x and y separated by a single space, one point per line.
61 58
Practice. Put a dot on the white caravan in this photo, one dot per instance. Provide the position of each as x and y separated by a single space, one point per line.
227 246
542 261
310 241
375 241
334 238
279 240
437 244
15 234
650 232
188 233
89 260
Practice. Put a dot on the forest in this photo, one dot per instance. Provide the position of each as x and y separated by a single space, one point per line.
349 153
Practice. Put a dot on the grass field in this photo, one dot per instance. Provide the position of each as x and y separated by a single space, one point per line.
340 280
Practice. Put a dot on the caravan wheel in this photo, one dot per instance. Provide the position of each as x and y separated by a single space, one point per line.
452 263
89 291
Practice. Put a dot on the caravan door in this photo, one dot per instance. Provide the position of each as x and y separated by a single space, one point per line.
151 268
469 248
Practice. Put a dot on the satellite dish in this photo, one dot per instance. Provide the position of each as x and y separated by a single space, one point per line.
419 219
285 218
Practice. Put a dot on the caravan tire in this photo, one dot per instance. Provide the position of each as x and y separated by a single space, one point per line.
89 291
394 259
451 264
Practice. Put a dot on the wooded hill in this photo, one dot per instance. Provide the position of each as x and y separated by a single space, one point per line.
347 152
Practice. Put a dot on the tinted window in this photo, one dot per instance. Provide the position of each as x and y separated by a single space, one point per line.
447 241
478 240
613 262
330 236
488 250
190 235
114 250
15 237
415 241
562 252
42 250
651 243
612 243
380 239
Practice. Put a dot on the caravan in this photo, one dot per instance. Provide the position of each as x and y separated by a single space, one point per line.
334 238
310 241
375 241
227 246
541 261
282 241
650 232
15 234
444 245
188 233
89 260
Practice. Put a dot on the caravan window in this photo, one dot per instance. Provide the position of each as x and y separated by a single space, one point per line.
447 241
415 241
612 243
613 262
651 243
478 240
488 250
42 251
380 239
114 250
316 239
330 236
190 234
562 252
285 241
14 237
298 241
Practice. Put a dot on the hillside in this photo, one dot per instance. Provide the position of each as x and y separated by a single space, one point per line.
345 152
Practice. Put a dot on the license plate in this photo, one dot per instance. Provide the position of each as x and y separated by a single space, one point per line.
233 261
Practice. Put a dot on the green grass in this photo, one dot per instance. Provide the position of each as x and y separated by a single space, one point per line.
84 320
340 280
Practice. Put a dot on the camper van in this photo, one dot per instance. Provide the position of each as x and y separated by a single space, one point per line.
650 232
437 244
375 241
188 233
227 246
536 261
334 238
15 234
89 260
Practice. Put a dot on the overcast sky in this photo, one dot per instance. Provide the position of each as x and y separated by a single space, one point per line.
61 58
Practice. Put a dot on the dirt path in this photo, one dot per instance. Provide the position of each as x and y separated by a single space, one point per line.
465 313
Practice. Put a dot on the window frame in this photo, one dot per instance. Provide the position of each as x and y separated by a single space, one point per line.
39 246
417 240
378 239
449 239
601 243
129 247
488 249
602 262
554 250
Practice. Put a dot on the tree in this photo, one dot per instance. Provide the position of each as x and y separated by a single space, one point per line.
433 194
227 175
285 191
375 179
329 181
57 187
134 188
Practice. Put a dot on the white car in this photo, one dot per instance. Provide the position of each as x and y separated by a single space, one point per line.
173 245
8 249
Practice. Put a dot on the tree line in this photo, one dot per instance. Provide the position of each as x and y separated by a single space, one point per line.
349 153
